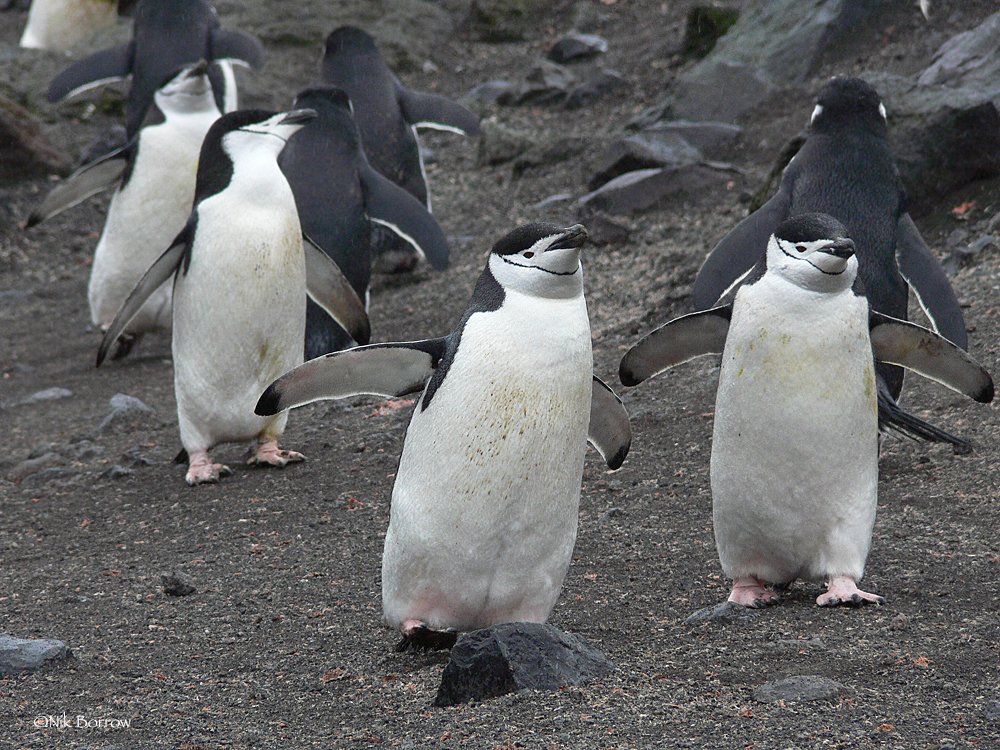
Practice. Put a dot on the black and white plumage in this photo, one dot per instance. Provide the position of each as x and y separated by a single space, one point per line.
155 176
388 114
61 25
794 466
241 272
485 503
166 36
339 196
845 169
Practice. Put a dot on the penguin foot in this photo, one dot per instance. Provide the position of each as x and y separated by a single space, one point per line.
418 637
126 342
201 470
750 591
269 454
843 590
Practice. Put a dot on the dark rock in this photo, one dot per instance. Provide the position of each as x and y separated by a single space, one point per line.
549 152
111 139
19 655
723 613
964 253
545 83
588 92
49 474
176 583
33 466
648 188
708 137
969 59
517 656
705 25
489 92
612 512
116 472
48 394
499 143
81 450
642 152
608 230
553 199
25 153
125 411
505 20
807 687
576 46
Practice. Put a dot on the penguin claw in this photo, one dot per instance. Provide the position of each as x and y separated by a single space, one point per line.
843 591
269 454
750 592
419 637
206 473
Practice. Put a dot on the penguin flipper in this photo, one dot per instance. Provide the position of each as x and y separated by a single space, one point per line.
327 286
901 343
738 252
610 431
676 342
162 269
112 64
393 207
89 180
435 112
238 47
924 274
391 370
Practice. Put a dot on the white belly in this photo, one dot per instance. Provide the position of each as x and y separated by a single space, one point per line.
485 504
239 321
60 25
143 219
795 444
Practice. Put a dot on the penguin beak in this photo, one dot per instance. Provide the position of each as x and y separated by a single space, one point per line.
842 248
298 117
574 236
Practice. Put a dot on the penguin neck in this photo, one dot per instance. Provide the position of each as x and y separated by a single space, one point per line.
258 180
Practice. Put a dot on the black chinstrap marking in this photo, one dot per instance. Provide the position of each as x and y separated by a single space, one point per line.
539 268
828 273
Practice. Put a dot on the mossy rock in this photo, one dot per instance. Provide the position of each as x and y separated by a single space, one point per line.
705 25
505 20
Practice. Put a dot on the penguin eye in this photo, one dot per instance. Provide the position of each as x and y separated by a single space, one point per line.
528 254
801 248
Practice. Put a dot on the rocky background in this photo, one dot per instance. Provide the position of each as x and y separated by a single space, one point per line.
246 614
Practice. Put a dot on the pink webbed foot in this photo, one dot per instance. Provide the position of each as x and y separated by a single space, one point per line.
749 591
417 636
843 590
201 470
268 453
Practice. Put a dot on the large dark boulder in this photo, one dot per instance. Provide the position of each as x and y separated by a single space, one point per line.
25 153
19 655
517 656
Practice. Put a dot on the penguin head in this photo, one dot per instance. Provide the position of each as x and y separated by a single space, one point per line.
349 40
187 90
334 111
848 103
813 252
541 260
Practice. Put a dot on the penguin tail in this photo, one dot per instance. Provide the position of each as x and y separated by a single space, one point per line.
892 419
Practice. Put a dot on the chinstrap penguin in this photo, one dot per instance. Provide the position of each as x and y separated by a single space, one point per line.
166 36
388 116
339 196
845 169
61 25
794 467
240 279
485 503
155 172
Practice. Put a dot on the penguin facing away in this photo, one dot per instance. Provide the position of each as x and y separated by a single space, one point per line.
339 196
845 169
156 176
241 273
794 467
166 35
388 116
485 503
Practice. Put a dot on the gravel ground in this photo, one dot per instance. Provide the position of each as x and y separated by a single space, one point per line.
282 646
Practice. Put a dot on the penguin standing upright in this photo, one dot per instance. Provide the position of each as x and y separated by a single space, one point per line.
151 205
794 466
165 36
60 25
240 284
845 169
486 498
339 196
388 116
